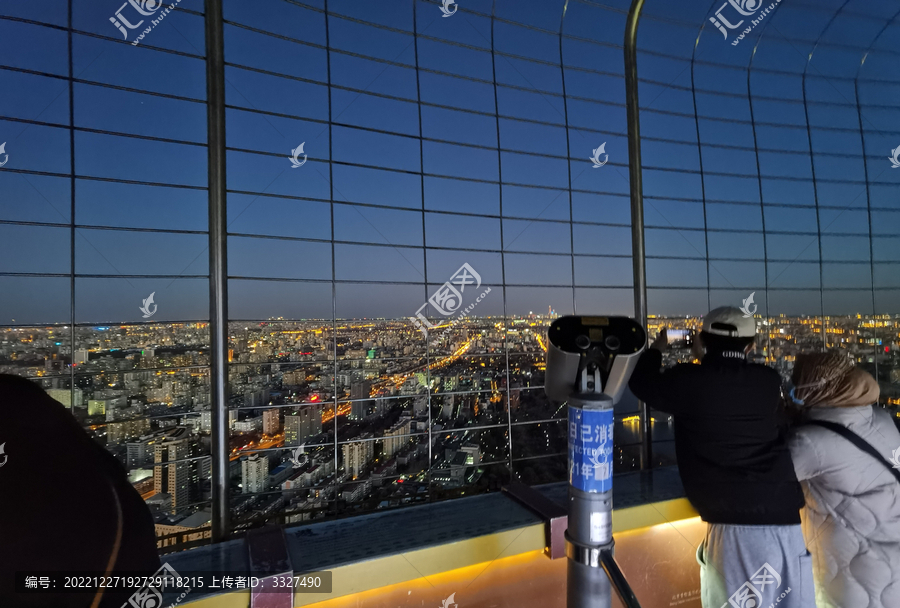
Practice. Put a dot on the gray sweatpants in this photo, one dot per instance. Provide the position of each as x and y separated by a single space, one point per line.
755 567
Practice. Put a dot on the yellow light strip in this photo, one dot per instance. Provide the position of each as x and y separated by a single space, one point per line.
454 560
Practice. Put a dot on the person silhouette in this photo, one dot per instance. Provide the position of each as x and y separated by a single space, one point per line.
734 462
66 504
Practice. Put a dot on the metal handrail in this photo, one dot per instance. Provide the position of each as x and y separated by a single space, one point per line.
611 567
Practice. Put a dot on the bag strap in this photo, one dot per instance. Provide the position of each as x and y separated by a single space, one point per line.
858 441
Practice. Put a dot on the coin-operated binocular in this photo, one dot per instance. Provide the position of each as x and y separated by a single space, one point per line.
589 363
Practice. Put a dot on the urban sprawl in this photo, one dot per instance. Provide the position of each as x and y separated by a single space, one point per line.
333 418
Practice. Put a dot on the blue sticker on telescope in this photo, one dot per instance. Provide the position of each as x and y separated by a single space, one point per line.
590 449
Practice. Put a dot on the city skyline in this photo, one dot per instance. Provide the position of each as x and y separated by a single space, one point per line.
378 419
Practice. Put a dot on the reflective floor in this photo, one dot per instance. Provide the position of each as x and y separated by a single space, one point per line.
658 562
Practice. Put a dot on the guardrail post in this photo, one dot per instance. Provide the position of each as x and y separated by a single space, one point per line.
218 274
637 203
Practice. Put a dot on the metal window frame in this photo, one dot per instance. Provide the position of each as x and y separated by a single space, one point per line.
216 129
214 24
218 270
636 188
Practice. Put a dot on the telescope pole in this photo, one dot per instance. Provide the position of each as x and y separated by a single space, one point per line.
589 530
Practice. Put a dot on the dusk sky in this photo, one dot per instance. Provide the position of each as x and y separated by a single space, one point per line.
766 165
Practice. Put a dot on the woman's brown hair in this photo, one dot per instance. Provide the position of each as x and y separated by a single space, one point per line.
831 379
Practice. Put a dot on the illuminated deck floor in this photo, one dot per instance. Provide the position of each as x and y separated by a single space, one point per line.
658 562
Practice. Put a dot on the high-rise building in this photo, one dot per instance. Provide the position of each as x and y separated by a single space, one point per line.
96 407
271 421
204 467
311 416
64 396
447 407
173 479
138 453
293 378
117 432
206 420
81 356
396 437
360 391
292 433
302 423
359 409
254 474
357 455
256 398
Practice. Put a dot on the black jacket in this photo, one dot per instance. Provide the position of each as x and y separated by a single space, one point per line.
729 438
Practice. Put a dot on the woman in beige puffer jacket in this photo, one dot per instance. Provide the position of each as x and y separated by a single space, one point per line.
851 521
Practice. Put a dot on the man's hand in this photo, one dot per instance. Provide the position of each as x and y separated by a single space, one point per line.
697 349
662 340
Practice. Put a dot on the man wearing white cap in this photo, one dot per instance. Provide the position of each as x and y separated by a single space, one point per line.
735 465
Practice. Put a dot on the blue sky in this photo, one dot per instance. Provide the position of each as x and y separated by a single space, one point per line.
749 152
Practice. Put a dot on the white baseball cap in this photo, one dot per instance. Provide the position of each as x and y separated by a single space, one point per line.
730 322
